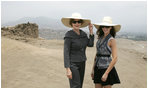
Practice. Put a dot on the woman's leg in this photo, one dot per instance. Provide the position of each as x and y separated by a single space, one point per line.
107 86
82 72
97 85
75 82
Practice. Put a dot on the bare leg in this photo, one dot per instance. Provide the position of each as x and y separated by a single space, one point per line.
107 86
97 85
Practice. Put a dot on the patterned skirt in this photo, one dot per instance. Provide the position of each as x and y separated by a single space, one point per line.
111 79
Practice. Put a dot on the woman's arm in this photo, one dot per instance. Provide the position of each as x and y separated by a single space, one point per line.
91 36
114 59
90 29
67 43
92 73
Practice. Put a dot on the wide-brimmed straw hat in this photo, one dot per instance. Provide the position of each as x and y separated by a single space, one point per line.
66 20
107 21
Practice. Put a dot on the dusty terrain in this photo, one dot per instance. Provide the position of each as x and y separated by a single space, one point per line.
38 63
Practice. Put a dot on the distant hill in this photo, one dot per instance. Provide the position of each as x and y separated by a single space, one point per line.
137 36
43 22
50 28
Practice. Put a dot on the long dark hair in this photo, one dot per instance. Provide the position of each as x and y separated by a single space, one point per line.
100 32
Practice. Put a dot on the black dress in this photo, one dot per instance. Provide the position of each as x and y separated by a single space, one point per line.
111 79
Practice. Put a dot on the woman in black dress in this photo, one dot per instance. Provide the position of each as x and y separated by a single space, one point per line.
103 72
75 43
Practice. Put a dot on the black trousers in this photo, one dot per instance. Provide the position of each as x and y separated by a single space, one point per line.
78 71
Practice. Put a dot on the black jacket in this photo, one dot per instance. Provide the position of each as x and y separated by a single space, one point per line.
75 46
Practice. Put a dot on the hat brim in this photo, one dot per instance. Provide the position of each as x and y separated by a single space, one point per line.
66 21
117 27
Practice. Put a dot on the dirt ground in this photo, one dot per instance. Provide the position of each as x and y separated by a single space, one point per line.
39 63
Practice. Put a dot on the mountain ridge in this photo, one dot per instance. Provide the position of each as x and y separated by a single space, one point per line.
42 21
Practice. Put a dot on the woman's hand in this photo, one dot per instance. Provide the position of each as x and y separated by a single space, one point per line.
69 73
92 74
90 28
104 77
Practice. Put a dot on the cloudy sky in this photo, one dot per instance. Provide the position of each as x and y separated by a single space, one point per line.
130 14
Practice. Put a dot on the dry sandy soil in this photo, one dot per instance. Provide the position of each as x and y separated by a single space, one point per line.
38 63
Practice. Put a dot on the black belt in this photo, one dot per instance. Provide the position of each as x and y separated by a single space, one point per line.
102 55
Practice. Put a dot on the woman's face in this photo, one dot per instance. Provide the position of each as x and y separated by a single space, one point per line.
76 23
106 29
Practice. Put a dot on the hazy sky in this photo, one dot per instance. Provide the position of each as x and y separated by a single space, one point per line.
127 13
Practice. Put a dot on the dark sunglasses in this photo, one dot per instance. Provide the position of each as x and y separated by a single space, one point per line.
105 26
77 21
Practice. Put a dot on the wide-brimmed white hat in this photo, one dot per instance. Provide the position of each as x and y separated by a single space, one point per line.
66 20
107 21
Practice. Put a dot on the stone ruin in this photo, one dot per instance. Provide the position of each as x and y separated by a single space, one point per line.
25 30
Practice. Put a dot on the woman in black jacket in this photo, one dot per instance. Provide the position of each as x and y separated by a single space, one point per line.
75 43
